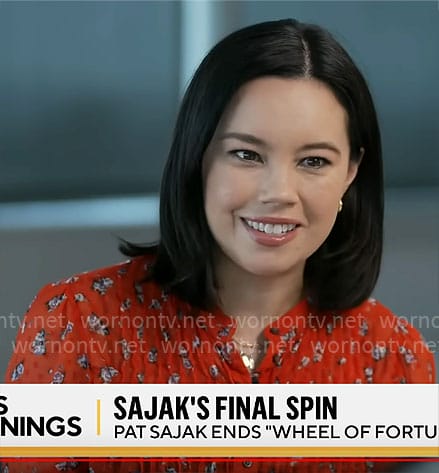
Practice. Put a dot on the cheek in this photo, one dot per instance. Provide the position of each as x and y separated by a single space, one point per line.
321 202
224 191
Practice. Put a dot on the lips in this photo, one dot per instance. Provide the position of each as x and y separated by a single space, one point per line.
270 231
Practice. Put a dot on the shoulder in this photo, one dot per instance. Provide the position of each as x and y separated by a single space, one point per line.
91 301
102 279
380 321
72 326
106 282
393 339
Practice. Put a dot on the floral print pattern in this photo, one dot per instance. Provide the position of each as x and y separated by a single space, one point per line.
112 326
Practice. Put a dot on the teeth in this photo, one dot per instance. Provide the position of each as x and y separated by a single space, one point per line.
271 229
268 228
255 225
277 229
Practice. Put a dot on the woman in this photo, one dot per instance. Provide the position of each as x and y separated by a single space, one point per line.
271 237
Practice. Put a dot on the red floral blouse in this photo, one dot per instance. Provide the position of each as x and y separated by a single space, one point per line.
112 326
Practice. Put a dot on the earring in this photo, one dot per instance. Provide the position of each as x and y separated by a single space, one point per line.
340 206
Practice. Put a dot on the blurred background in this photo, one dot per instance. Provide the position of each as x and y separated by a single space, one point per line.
88 98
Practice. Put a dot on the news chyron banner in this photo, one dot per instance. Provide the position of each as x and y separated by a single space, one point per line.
211 420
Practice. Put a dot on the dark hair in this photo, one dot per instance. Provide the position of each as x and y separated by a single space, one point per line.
343 271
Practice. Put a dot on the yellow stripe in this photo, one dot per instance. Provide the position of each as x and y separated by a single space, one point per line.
252 452
98 417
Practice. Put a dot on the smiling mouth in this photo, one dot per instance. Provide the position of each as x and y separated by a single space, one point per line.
275 229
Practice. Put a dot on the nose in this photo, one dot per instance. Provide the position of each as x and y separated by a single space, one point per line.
279 185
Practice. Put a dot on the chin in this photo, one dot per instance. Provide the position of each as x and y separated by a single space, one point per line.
269 269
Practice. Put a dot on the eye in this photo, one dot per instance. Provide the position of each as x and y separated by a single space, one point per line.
246 155
314 162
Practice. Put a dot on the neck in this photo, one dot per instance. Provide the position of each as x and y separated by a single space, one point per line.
256 300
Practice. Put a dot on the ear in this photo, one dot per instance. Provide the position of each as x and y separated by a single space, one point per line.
353 169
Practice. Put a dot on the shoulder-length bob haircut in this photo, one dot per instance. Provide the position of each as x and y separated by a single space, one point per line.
343 271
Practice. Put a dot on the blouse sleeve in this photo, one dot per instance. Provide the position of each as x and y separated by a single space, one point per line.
51 342
406 357
46 351
413 357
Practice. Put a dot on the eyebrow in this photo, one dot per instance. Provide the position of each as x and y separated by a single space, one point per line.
248 138
254 140
321 145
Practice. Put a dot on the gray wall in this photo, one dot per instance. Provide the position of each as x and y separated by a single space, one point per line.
89 90
88 94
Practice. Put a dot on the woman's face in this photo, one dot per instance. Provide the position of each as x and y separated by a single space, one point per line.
274 174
